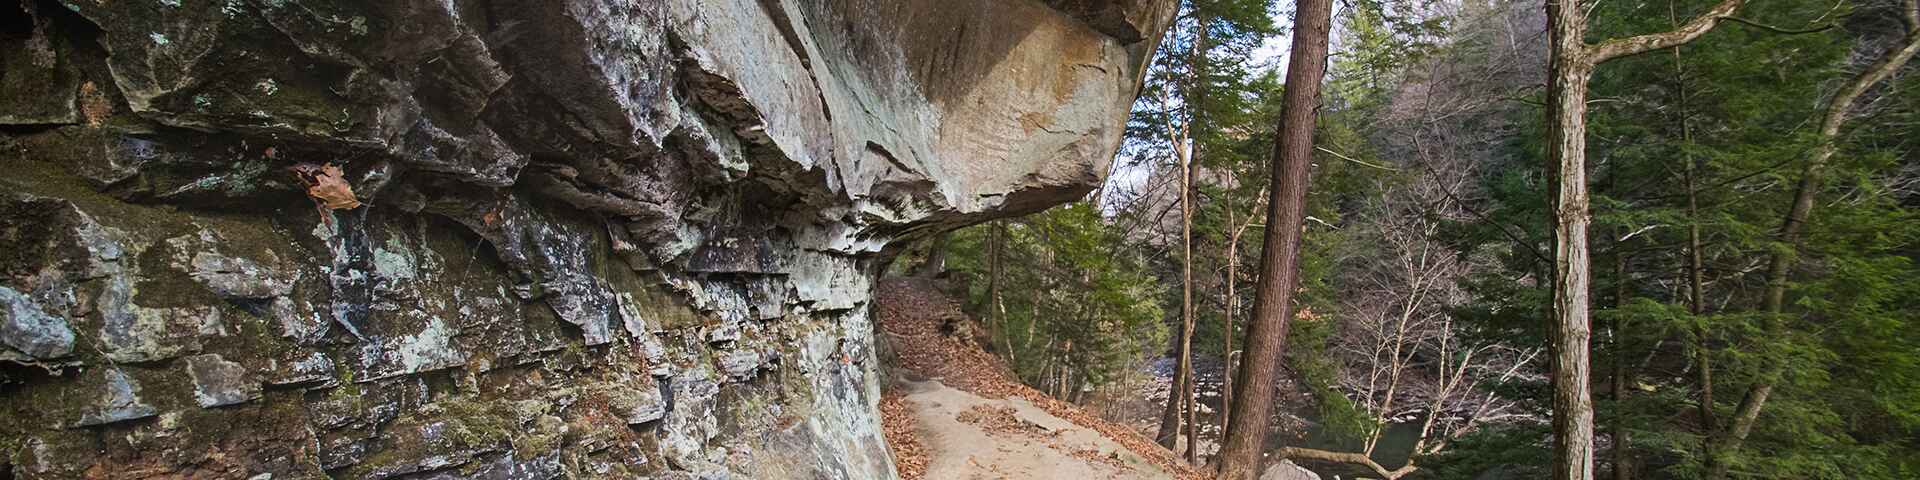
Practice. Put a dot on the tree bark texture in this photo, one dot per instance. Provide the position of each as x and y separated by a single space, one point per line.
1570 68
1279 260
1572 398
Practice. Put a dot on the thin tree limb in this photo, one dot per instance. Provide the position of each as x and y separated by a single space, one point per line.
1349 458
1700 25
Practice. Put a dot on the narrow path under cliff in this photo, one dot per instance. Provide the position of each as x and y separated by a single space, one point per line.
955 412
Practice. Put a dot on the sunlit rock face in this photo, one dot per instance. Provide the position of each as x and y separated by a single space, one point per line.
599 238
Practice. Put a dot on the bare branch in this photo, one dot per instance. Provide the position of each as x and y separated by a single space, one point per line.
1621 47
1351 159
1350 458
1779 30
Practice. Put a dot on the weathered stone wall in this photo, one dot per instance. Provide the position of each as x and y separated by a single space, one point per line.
600 238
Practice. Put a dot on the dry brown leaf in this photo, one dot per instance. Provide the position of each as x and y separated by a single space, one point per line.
910 456
95 107
327 185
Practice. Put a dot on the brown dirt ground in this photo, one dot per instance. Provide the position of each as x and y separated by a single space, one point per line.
911 312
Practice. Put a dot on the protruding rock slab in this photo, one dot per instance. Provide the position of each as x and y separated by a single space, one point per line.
1287 470
117 400
218 383
26 329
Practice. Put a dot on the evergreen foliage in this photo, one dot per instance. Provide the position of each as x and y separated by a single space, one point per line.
1432 140
1073 297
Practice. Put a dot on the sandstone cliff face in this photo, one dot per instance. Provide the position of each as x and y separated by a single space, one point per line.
598 238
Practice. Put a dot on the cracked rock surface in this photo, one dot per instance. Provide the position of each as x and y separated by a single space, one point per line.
596 239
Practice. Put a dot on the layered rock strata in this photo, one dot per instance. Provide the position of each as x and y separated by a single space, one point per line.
593 238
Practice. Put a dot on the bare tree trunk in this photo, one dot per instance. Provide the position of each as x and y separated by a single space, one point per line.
995 312
1569 70
1702 350
1622 440
1572 402
1233 308
1183 410
1195 107
1780 266
1226 320
1280 260
1179 397
1186 298
1696 273
1066 370
1193 415
1231 301
1168 436
997 306
936 260
1196 111
1033 320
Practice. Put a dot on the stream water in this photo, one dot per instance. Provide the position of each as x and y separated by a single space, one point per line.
1300 425
1395 445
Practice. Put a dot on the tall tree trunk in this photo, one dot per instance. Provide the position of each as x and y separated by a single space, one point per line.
1780 265
936 260
1571 66
994 310
1280 260
1232 303
997 306
1186 301
1622 440
1196 108
1168 436
1233 307
1696 272
1197 96
1696 305
1179 396
1182 411
1572 401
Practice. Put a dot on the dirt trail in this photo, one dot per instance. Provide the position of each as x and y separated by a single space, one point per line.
958 415
973 437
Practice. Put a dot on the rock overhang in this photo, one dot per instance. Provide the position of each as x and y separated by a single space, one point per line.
567 202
